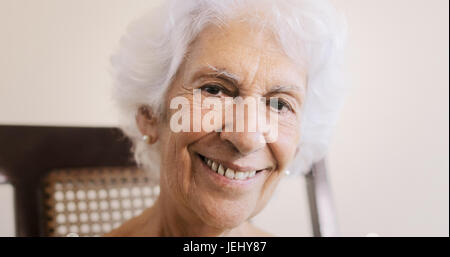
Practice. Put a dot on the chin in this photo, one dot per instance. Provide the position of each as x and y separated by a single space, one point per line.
224 213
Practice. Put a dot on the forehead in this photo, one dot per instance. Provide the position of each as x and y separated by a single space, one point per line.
247 52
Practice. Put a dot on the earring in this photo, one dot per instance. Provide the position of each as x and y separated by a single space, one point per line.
287 172
146 139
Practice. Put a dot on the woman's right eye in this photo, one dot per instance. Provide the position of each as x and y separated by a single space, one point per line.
212 89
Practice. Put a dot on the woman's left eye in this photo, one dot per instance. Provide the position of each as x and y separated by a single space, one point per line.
279 105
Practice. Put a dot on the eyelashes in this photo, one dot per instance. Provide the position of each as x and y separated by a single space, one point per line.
214 89
281 105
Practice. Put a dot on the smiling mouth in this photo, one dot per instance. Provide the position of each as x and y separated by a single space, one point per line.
228 172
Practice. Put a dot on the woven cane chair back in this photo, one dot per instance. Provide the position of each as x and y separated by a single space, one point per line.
93 201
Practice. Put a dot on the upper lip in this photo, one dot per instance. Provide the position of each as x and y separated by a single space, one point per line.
234 166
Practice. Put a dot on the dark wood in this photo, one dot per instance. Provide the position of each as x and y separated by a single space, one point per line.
28 153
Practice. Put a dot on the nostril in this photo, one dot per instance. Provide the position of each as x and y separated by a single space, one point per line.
243 142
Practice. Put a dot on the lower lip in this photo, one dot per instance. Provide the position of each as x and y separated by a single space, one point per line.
224 181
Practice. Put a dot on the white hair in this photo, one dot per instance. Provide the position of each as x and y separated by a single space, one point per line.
310 32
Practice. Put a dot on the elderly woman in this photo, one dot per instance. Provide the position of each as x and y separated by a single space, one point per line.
213 181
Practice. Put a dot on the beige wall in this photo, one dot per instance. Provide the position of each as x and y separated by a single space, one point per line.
388 160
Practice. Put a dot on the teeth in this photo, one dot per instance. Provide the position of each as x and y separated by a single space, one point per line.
229 173
214 166
221 170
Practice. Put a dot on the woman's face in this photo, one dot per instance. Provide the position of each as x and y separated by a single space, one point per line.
236 60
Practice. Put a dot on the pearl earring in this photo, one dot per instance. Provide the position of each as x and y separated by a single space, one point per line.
287 172
146 139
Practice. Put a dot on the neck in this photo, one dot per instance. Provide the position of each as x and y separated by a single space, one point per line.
171 220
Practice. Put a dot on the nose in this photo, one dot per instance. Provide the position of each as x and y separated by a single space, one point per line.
244 142
243 131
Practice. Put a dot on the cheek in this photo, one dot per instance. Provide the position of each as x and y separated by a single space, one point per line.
283 150
176 167
267 191
285 146
176 162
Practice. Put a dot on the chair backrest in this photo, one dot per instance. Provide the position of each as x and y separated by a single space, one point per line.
29 153
321 205
85 181
93 201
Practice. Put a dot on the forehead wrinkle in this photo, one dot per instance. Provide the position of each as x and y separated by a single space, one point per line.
256 68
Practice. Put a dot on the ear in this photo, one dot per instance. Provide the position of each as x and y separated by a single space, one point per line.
147 122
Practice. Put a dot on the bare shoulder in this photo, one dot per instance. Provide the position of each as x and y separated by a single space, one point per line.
139 226
135 227
124 230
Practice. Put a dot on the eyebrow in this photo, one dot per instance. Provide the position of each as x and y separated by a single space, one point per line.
286 89
213 72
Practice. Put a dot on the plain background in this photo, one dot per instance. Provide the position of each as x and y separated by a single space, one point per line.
389 164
